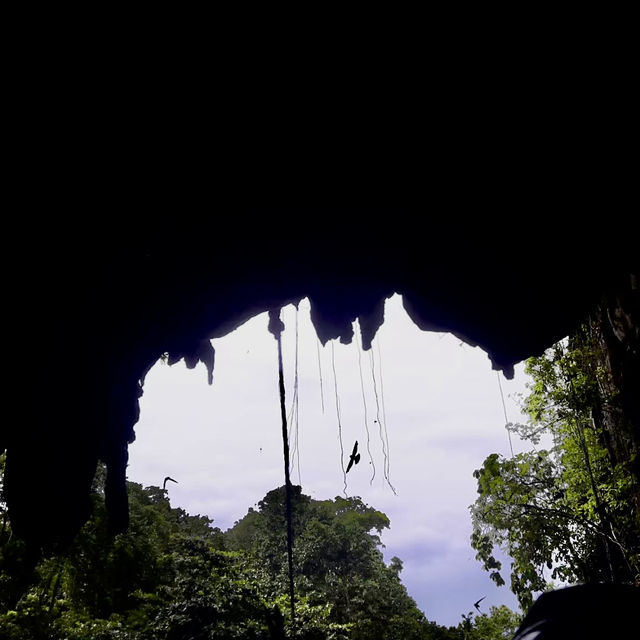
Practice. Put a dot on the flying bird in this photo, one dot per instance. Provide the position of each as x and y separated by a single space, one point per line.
354 458
477 604
164 484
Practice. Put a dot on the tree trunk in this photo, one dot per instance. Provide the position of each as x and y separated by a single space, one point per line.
615 326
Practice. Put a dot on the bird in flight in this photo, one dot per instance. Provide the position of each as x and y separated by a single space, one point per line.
354 458
477 604
164 484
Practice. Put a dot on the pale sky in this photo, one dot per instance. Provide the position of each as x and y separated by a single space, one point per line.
444 415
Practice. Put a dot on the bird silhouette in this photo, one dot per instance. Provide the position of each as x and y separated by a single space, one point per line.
164 484
354 458
477 604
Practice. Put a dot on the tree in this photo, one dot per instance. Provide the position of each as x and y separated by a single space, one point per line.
499 624
166 576
565 509
338 563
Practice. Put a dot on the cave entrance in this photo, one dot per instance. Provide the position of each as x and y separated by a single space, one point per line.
443 411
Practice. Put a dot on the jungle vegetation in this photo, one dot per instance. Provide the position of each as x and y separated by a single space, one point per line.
176 576
567 509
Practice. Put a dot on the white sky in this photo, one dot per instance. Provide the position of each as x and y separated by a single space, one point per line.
443 413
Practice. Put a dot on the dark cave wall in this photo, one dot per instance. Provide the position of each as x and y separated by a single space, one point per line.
94 318
615 324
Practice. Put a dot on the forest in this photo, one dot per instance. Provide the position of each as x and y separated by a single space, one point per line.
176 576
565 511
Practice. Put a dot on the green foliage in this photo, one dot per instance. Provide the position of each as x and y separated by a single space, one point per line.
339 566
173 576
563 512
499 624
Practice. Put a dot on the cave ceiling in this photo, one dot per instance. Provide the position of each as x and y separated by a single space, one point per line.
96 308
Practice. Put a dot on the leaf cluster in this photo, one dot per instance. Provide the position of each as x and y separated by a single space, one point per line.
563 513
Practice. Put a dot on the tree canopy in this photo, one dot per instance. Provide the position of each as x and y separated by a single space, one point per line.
175 576
563 510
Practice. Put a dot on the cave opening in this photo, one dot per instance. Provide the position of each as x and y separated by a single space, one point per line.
111 313
443 415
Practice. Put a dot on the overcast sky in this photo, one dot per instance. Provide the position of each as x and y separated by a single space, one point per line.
444 415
